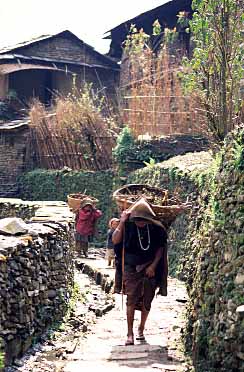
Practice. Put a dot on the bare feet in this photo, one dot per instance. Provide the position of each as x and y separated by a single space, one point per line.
130 340
140 336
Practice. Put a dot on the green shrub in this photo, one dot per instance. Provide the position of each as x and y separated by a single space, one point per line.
130 154
1 355
125 146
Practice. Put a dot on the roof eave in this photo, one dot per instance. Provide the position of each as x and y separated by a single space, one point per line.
20 57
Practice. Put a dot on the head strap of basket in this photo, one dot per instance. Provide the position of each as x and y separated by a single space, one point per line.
142 210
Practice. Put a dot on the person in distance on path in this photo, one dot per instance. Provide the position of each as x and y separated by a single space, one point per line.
85 225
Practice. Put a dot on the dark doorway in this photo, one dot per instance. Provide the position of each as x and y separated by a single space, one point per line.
31 83
48 87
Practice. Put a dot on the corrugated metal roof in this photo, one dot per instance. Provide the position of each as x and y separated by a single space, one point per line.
15 124
8 68
19 58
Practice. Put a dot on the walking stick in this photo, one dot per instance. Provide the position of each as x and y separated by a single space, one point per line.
123 268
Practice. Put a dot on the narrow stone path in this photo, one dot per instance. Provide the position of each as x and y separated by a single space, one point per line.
91 340
104 349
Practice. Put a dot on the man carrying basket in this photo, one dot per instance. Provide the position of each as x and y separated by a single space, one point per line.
143 240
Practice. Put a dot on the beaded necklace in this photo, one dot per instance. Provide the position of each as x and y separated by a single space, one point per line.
148 239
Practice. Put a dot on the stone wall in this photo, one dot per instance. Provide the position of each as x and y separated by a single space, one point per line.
207 250
36 275
162 149
12 159
17 208
215 329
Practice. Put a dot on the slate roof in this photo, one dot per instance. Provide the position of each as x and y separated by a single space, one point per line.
14 51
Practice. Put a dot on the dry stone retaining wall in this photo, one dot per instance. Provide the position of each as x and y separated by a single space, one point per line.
17 208
36 276
208 249
215 278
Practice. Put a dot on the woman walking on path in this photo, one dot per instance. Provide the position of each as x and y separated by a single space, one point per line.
85 225
144 241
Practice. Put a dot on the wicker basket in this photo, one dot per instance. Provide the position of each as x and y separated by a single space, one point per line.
166 209
74 200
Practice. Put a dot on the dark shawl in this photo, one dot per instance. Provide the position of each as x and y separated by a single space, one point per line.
134 255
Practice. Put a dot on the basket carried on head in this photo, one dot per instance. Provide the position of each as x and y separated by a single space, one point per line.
74 200
166 207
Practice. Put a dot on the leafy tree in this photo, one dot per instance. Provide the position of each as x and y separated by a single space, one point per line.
215 71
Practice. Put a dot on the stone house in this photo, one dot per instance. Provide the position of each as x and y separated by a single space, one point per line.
47 65
42 68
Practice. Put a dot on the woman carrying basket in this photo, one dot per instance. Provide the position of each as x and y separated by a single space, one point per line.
85 225
143 240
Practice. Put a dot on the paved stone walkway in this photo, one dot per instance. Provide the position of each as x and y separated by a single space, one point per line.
104 349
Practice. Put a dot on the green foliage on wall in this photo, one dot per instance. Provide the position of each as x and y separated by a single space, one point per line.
42 184
215 281
130 154
125 143
1 361
1 355
206 248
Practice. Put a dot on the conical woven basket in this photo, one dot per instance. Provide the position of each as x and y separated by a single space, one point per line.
165 206
74 200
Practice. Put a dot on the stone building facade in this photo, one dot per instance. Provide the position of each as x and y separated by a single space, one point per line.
45 68
13 138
